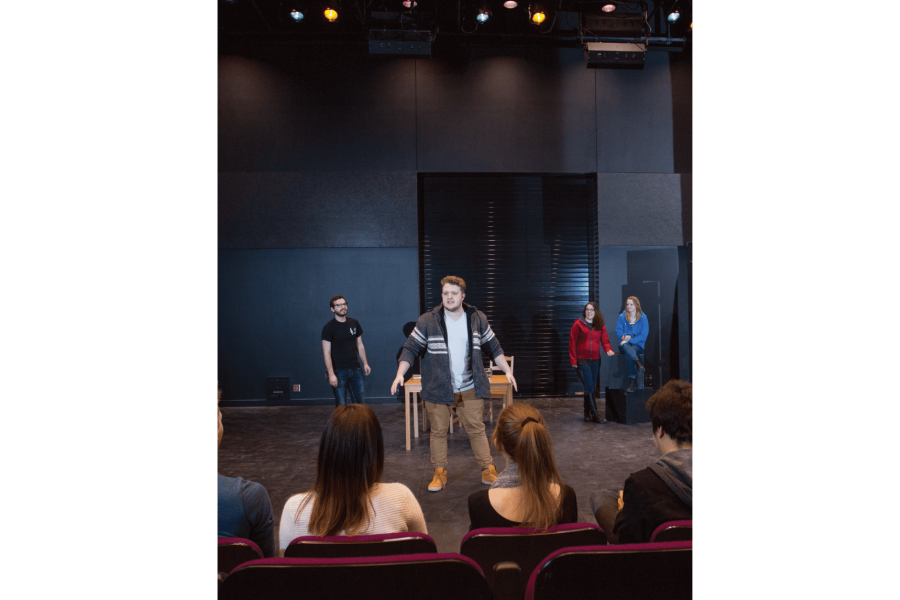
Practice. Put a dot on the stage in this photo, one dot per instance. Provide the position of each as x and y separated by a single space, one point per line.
278 446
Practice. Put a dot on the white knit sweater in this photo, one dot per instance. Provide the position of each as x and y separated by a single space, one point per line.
396 511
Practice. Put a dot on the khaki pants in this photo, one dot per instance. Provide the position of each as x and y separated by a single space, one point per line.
471 415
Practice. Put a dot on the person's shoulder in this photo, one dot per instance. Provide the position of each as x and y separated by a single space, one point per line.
328 326
391 489
642 478
480 497
294 501
428 317
253 488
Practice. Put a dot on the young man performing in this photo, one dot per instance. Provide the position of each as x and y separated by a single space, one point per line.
341 342
449 339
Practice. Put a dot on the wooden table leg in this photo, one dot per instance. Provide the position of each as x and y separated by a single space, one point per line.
415 403
406 405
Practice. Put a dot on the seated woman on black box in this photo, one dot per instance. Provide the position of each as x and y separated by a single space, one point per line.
632 328
529 492
348 497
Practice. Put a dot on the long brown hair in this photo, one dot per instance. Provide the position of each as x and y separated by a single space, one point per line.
351 461
529 445
598 321
637 308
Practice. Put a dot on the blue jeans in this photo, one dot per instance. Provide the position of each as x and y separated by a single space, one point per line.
631 352
349 380
587 374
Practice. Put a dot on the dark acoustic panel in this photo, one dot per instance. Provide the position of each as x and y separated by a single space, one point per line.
640 209
527 248
682 108
310 109
507 110
317 210
634 118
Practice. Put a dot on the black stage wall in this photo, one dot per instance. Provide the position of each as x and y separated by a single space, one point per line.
319 151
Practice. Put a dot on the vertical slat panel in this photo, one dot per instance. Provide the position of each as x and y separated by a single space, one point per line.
527 248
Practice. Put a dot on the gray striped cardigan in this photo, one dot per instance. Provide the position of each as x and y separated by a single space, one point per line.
429 340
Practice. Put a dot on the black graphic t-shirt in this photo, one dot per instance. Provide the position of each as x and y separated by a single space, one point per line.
343 342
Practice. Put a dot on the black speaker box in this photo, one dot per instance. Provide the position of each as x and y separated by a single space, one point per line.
628 407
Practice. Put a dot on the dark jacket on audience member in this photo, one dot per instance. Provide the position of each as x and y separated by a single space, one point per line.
660 493
246 512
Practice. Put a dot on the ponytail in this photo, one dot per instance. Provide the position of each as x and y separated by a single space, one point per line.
521 433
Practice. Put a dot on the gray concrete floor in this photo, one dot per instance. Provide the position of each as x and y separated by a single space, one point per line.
278 447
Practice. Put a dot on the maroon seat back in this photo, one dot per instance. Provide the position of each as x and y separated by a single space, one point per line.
413 576
673 531
341 546
525 547
234 551
624 572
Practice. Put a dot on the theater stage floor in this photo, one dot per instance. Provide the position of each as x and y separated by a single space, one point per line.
278 447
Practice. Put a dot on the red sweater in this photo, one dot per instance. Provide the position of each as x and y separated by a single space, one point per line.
585 342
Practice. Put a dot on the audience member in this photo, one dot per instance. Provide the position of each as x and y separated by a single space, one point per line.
245 510
661 492
348 497
529 492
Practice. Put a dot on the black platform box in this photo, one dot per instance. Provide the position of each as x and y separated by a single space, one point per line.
278 388
628 408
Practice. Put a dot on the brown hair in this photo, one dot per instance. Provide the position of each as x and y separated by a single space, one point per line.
351 461
637 307
597 315
528 444
335 299
454 280
671 408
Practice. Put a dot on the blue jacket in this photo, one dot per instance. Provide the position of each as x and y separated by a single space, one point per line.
245 512
638 331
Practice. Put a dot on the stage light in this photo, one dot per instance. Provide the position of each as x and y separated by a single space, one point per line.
483 14
331 15
674 14
608 7
297 15
538 15
510 4
409 3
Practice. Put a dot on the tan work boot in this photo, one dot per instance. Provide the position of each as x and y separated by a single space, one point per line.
439 481
489 475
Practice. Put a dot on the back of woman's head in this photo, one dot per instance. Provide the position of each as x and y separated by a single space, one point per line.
351 461
521 434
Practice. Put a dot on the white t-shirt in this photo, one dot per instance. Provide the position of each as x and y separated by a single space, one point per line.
458 349
396 511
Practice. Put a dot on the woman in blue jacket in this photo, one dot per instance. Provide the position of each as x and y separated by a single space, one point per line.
631 330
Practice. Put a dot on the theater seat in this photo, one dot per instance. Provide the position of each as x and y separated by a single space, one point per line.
673 531
624 572
234 551
411 576
342 546
525 547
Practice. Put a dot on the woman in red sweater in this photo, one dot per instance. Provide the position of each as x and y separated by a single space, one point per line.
587 337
